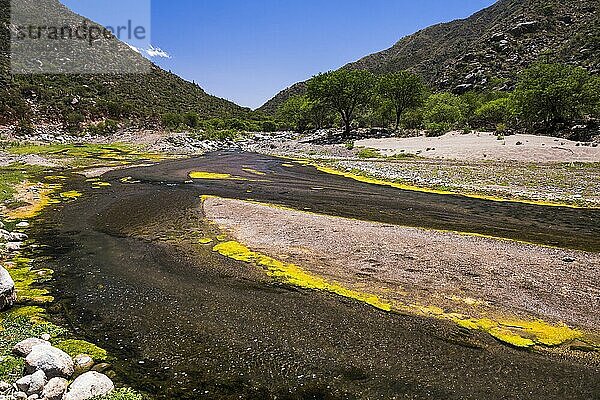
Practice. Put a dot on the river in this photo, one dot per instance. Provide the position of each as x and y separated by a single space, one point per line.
187 323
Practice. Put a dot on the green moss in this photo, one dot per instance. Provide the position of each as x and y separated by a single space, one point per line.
75 347
21 323
85 155
124 394
34 313
13 175
26 279
11 368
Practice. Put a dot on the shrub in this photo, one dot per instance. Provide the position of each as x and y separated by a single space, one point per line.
104 128
171 120
437 128
443 110
500 129
269 126
369 153
24 127
412 119
191 120
497 111
73 121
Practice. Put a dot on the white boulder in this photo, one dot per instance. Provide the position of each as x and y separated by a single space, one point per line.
55 389
23 348
8 294
32 384
89 385
54 362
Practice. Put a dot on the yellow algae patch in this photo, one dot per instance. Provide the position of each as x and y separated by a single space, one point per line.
210 175
507 336
98 185
128 179
222 238
468 301
73 194
253 171
36 204
288 165
522 333
205 241
544 333
294 275
55 178
401 186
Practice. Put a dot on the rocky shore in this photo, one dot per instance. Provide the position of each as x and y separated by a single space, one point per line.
53 375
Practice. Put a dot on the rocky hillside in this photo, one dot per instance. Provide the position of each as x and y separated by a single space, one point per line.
54 98
488 49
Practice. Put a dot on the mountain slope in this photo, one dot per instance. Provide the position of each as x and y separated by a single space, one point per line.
50 98
489 48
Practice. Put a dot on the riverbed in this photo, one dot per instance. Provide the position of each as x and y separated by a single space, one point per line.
135 275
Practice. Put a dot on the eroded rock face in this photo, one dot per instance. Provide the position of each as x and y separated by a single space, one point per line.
32 384
22 349
89 385
55 389
54 362
8 294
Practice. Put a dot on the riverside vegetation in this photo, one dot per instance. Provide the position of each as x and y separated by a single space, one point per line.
547 99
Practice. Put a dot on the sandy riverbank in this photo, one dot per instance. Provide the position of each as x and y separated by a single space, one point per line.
487 146
473 275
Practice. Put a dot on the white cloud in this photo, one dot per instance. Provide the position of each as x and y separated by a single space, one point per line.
133 48
150 51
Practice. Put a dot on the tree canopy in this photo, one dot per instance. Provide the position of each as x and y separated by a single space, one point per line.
404 90
344 90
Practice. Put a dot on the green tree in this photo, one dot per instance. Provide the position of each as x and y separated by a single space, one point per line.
404 90
344 91
550 94
442 112
295 112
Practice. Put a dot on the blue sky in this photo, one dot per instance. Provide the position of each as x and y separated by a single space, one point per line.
248 50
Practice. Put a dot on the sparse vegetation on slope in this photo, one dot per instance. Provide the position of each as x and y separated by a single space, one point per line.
76 101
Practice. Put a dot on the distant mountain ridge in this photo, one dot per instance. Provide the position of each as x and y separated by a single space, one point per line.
488 49
50 98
